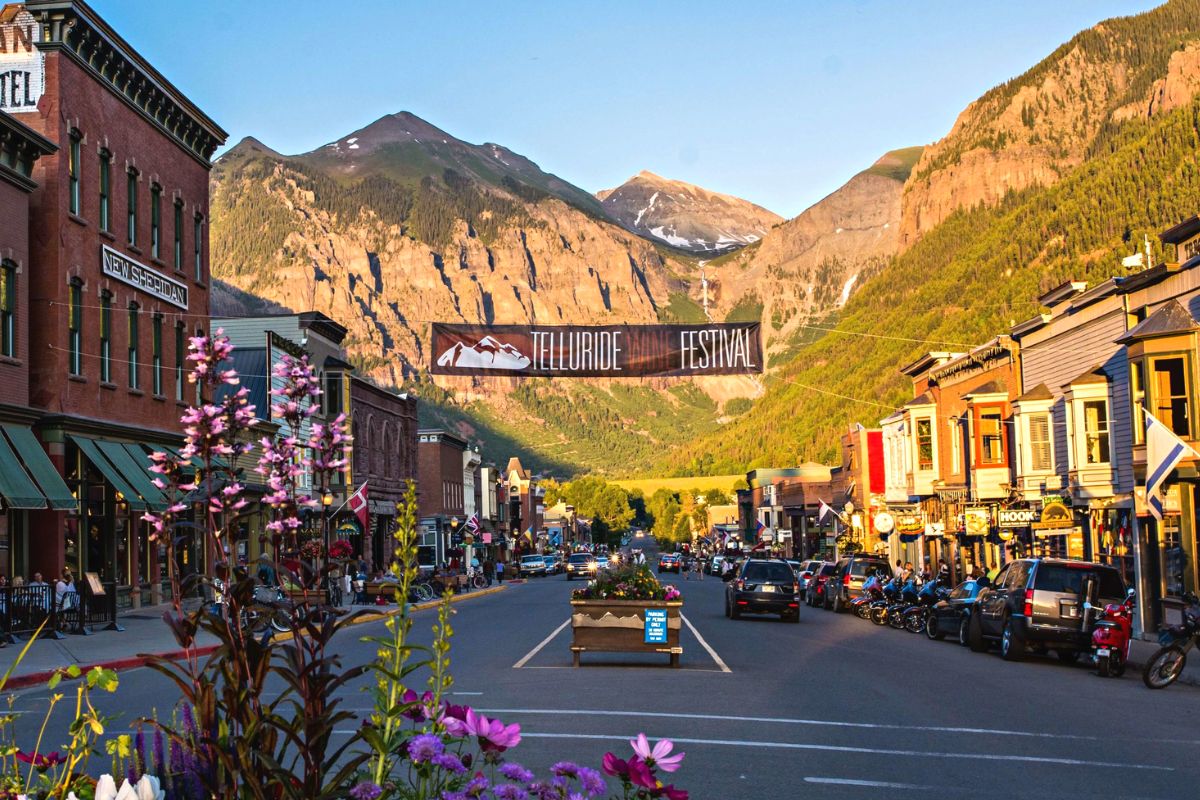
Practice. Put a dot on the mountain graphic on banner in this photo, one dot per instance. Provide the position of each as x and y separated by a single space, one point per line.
487 353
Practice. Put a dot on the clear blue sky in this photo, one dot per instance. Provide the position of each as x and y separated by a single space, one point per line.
778 102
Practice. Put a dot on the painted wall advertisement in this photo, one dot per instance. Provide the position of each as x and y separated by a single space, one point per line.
22 65
597 351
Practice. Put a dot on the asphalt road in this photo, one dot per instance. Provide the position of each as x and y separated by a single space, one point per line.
831 708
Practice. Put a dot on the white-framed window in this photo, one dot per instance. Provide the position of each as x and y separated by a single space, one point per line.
1041 448
1095 432
924 439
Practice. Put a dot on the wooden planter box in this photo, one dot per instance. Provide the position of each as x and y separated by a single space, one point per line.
618 626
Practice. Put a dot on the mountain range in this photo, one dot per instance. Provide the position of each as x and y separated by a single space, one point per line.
1057 173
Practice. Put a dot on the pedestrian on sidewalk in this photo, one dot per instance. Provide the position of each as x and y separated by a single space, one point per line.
499 570
489 571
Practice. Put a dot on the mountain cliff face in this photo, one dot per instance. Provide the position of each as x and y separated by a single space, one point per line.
686 216
809 266
1034 129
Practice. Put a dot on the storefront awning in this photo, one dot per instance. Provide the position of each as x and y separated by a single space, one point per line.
17 487
110 472
136 474
37 464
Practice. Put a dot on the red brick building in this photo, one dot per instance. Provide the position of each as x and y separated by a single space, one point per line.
119 233
384 427
439 490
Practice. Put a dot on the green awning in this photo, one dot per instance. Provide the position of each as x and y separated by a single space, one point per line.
18 489
38 464
110 473
134 473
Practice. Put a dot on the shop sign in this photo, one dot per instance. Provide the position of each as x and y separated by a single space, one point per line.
977 521
348 529
934 529
22 65
597 351
910 524
1017 517
115 265
884 522
1055 516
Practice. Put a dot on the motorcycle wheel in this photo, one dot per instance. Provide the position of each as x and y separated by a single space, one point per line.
862 611
879 615
896 619
281 620
914 622
1164 668
1104 666
931 629
1118 665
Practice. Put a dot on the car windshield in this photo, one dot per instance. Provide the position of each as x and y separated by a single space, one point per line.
1069 580
829 569
768 571
581 558
532 560
861 569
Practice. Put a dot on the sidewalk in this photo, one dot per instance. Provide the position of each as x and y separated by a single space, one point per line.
145 632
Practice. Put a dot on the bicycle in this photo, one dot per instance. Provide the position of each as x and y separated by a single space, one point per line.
333 591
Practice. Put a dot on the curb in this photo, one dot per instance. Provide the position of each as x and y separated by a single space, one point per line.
134 662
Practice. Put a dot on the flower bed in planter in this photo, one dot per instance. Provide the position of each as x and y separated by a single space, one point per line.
609 614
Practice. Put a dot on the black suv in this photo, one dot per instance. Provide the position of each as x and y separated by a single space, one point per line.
581 565
852 572
763 586
1038 603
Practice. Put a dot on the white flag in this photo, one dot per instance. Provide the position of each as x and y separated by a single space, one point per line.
1163 451
825 510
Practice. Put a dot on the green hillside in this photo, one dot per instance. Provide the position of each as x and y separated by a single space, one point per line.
896 164
971 277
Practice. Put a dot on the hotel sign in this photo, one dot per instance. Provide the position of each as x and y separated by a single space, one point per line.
600 351
115 265
22 65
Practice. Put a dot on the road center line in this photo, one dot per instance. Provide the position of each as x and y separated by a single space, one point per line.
724 667
1068 762
543 643
815 722
871 784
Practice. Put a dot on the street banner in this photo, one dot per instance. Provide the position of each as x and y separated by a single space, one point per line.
597 351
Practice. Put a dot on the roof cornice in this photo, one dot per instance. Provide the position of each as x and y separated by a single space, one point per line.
74 29
20 146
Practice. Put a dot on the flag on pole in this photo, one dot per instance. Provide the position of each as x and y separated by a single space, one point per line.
826 510
529 534
1163 451
759 527
473 524
358 504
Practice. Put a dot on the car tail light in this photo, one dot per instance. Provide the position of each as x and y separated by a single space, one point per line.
846 580
1029 602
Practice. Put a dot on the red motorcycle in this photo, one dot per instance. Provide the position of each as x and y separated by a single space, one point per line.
1111 637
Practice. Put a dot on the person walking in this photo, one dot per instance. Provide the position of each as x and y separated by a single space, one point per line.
499 570
698 568
489 571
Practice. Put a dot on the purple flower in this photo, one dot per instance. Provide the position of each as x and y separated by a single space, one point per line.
592 782
515 772
509 791
476 786
365 791
424 747
565 769
449 762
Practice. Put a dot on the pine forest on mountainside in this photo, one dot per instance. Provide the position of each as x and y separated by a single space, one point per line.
967 280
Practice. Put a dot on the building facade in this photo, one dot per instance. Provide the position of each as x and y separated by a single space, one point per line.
440 493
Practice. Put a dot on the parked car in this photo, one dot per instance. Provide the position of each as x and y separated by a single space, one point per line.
763 586
668 562
582 565
952 616
532 566
714 564
852 571
807 570
554 564
1038 603
815 593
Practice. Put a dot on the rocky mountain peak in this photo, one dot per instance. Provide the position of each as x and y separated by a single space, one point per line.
685 215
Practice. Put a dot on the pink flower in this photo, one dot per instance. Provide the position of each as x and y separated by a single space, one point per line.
658 755
493 735
671 793
640 774
617 767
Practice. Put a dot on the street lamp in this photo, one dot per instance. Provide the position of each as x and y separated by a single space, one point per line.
326 502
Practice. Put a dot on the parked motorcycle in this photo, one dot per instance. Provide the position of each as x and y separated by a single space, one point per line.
890 596
916 617
1111 636
872 590
909 598
1165 666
